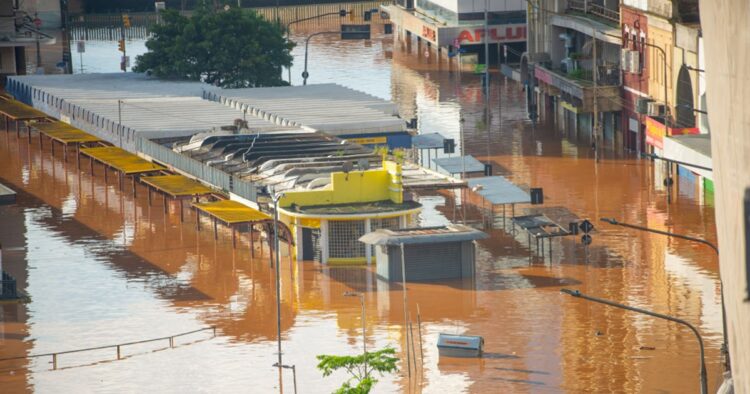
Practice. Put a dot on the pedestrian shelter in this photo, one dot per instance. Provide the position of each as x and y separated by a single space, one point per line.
176 187
18 112
234 215
64 134
122 161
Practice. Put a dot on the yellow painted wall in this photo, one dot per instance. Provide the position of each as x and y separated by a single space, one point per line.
353 187
664 39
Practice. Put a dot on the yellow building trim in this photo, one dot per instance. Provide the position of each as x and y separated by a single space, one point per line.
352 187
347 261
351 216
568 106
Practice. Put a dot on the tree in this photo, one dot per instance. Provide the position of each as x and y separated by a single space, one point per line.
231 48
381 361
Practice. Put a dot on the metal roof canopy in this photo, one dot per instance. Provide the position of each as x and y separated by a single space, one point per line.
428 141
232 212
425 235
328 108
16 110
457 165
64 133
121 160
540 226
177 185
498 190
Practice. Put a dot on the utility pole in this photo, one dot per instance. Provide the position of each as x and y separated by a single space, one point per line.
486 53
594 74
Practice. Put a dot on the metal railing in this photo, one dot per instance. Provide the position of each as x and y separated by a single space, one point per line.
118 347
588 7
208 174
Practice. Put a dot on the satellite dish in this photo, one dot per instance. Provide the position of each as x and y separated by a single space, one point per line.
348 166
363 164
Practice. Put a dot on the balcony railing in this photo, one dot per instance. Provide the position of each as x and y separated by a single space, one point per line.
587 7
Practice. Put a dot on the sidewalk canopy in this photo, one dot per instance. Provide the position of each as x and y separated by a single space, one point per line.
232 212
121 160
177 185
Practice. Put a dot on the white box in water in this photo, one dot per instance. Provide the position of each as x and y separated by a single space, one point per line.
460 345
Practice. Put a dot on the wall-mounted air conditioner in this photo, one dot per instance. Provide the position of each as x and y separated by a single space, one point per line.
656 109
642 105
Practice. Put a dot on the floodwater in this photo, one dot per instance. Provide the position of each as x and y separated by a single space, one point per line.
102 267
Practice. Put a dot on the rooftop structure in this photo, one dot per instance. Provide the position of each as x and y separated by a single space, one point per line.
310 106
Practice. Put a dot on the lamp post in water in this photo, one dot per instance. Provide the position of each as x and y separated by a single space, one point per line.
703 377
724 345
276 197
364 316
341 13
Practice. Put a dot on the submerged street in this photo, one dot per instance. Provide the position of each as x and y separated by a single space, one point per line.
103 267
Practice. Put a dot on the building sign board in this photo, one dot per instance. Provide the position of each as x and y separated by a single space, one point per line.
655 132
473 35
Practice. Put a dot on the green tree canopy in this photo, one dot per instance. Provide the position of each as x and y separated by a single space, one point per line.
360 368
234 48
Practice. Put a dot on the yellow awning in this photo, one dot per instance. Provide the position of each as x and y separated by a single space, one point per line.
17 110
64 133
177 185
232 212
121 160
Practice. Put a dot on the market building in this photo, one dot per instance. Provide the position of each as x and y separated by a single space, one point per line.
253 146
453 27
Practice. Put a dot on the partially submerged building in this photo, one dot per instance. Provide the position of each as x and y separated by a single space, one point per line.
253 143
430 253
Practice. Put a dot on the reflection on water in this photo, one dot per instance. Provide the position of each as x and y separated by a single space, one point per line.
103 267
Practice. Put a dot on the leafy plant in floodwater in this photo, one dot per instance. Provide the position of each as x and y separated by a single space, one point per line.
399 155
381 361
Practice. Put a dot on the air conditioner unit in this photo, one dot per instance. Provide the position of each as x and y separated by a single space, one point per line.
656 109
625 59
634 62
642 105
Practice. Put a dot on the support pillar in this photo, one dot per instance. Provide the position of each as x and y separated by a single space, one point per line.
252 240
182 211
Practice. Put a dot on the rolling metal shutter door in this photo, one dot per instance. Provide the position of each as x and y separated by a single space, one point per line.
434 261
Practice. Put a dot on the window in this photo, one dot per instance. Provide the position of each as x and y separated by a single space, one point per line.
343 238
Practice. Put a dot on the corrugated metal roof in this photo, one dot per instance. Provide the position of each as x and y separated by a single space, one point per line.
428 141
329 108
498 190
426 235
459 164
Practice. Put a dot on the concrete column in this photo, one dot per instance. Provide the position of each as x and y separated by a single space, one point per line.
324 241
368 248
297 239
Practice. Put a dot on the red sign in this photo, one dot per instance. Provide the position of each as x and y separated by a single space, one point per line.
496 34
429 33
656 131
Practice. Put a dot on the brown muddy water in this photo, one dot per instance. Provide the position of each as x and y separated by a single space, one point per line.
101 267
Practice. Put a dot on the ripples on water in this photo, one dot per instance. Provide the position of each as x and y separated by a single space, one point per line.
102 267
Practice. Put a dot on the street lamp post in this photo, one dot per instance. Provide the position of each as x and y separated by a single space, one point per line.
703 375
305 74
725 344
288 25
294 373
276 197
364 317
668 181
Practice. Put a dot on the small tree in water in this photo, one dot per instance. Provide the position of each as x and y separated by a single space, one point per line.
232 48
381 361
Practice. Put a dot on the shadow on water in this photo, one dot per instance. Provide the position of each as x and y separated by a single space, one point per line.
134 267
